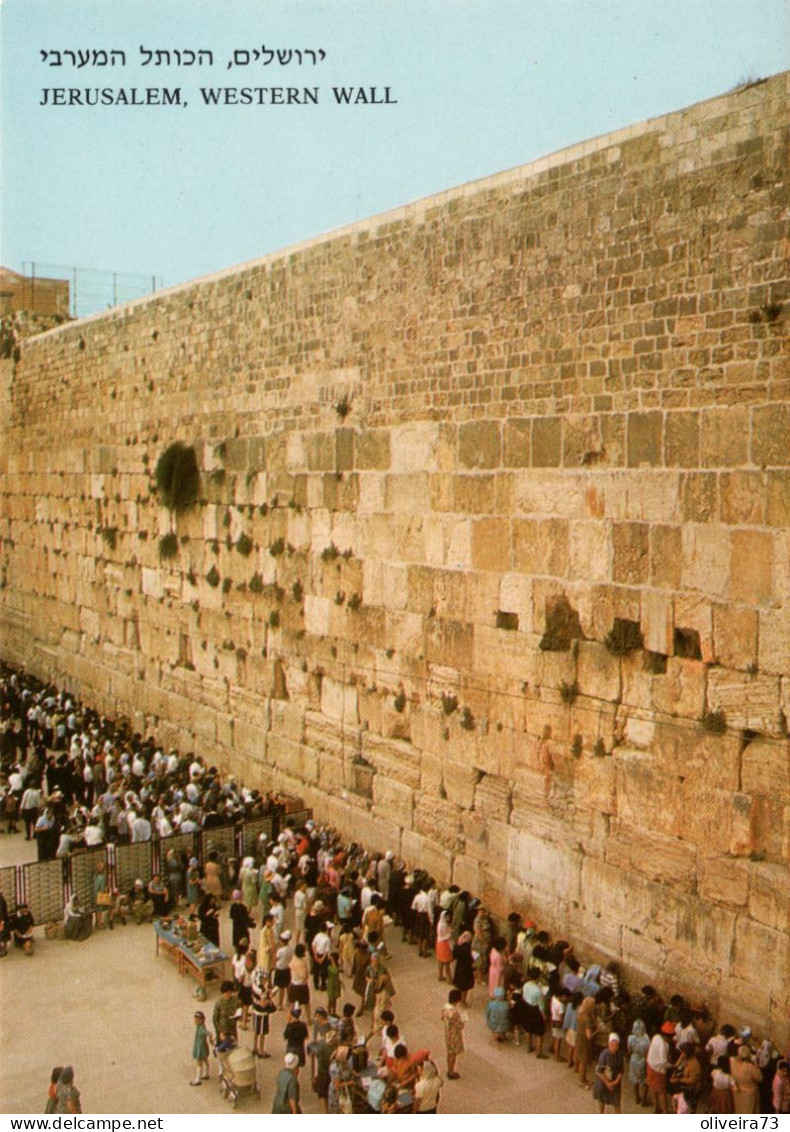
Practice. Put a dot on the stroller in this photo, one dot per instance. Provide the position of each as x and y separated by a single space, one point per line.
236 1073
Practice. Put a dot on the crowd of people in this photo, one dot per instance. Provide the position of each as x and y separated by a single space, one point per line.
313 921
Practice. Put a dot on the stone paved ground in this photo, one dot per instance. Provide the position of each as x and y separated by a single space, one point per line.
123 1018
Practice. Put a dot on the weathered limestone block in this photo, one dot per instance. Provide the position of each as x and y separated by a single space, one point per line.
751 571
750 703
479 444
541 546
287 720
249 740
658 621
324 734
545 494
393 759
414 446
467 873
765 767
407 493
630 546
437 820
735 636
422 851
331 773
774 639
666 555
393 800
373 449
431 773
542 865
517 442
768 896
293 759
645 796
770 435
492 798
760 949
724 437
459 781
681 690
682 439
339 701
598 671
491 543
705 560
591 551
652 855
724 880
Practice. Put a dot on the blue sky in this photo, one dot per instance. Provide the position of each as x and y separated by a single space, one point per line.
480 86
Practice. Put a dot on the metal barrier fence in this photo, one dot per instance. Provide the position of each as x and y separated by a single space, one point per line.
56 288
47 885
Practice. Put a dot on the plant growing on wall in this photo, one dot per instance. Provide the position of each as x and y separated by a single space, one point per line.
625 637
213 577
569 692
714 722
244 545
256 584
168 547
177 477
449 703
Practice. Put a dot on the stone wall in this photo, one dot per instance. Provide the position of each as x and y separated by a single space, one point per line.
490 561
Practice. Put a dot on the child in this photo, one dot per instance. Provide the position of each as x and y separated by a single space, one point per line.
200 1049
334 984
557 1007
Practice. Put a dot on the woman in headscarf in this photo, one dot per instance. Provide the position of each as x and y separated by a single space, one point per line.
193 885
76 920
638 1045
248 880
209 918
241 919
747 1079
67 1095
428 1089
464 972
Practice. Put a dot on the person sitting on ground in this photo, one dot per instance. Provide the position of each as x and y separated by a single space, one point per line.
21 928
77 921
141 905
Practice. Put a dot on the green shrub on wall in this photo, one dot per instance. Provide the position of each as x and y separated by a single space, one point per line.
177 476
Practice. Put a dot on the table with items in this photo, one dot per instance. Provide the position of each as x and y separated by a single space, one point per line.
196 957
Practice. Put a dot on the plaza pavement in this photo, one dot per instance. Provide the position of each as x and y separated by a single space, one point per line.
124 1019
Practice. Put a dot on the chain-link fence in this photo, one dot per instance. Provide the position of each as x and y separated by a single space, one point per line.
55 288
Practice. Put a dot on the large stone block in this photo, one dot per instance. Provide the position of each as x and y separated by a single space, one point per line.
393 800
681 690
750 703
768 895
765 767
724 437
652 855
644 443
735 636
491 545
724 880
630 542
541 546
752 556
591 551
480 444
598 671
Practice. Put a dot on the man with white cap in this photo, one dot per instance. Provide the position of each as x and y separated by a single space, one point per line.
286 1097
